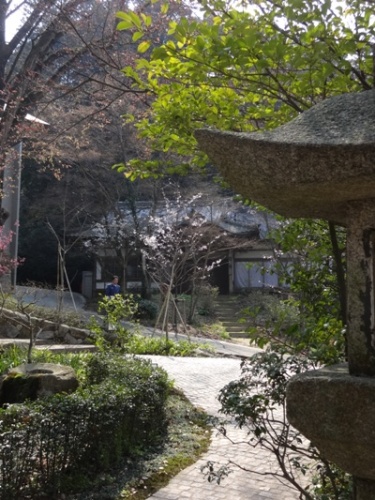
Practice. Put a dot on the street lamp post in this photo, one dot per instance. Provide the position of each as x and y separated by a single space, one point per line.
10 201
10 204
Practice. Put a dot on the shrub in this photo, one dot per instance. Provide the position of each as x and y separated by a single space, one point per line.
118 307
216 330
147 310
111 333
160 346
257 402
50 444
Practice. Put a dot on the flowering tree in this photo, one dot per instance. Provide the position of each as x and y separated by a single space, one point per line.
177 254
182 246
117 233
7 264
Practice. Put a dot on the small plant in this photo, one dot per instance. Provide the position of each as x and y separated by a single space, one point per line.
213 474
11 356
216 330
118 307
113 334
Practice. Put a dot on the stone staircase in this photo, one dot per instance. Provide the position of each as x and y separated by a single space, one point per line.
228 313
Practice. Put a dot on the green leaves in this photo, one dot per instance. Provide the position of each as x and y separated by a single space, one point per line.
129 20
246 70
143 46
118 411
140 23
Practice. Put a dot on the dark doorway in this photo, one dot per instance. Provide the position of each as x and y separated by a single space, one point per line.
220 277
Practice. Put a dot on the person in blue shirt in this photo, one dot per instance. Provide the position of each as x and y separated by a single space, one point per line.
113 288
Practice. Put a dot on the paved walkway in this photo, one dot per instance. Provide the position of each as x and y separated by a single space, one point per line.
201 379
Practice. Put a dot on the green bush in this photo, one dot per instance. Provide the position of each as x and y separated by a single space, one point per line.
147 310
48 445
160 346
110 333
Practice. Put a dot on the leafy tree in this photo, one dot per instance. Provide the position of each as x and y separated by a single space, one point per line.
60 66
305 261
257 402
247 69
50 56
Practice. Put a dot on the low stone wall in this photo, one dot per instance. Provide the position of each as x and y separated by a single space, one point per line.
16 325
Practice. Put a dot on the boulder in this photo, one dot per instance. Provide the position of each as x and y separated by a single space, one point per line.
46 335
10 331
36 380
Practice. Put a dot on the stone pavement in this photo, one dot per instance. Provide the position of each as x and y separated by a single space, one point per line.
201 379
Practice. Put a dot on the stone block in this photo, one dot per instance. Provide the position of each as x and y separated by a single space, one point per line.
335 411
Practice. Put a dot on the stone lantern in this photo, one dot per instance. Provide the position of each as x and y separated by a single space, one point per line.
322 165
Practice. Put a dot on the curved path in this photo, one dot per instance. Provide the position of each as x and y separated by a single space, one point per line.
201 379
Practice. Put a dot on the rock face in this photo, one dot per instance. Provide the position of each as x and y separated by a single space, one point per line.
310 167
36 380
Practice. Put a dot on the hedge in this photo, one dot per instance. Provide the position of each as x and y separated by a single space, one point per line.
49 445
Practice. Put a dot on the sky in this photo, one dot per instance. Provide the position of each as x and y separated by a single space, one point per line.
14 21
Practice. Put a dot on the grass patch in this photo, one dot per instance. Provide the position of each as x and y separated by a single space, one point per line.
215 330
139 344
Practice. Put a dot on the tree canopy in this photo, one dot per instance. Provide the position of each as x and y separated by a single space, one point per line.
63 65
245 66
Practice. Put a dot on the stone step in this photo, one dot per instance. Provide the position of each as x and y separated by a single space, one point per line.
228 314
235 328
239 335
231 319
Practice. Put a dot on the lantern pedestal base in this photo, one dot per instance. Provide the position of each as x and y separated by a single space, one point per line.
335 411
